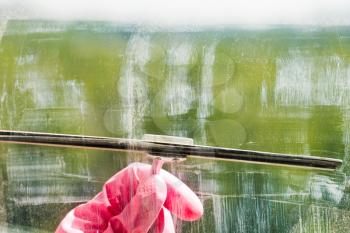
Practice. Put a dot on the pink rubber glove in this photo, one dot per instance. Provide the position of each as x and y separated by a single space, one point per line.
138 199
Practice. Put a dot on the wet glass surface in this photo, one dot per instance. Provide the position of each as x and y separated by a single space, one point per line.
274 89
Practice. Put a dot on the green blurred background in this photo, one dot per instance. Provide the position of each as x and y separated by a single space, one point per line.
279 89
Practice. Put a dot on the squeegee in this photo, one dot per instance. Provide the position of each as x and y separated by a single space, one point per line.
166 146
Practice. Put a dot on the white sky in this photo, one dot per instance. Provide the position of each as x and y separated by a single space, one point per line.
184 12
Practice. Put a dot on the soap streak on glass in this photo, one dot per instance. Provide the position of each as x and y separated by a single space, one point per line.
278 89
205 105
133 86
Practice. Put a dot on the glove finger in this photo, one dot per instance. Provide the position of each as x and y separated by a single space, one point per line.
164 223
168 222
94 212
120 188
143 209
181 200
70 224
110 230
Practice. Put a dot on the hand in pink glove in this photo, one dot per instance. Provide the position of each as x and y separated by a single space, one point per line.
138 199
